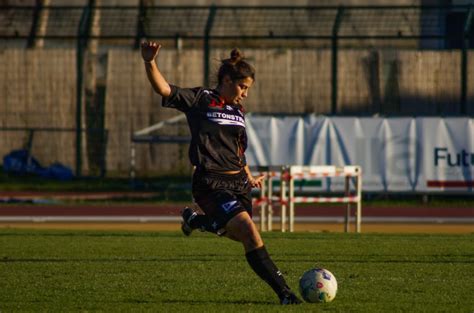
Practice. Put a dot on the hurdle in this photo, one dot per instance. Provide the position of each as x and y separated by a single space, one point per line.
287 200
295 172
266 197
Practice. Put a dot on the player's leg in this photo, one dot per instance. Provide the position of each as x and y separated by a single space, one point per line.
193 220
215 205
229 214
242 228
214 194
205 191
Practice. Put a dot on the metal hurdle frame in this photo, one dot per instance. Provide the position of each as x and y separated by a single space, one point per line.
265 202
290 173
286 198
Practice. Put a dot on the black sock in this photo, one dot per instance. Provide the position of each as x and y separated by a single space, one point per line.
263 265
202 222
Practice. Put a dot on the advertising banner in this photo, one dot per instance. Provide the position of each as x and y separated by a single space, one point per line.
425 154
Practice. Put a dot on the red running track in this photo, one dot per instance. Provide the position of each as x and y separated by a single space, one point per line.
140 209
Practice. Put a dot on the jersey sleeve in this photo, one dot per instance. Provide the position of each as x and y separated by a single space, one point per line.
181 98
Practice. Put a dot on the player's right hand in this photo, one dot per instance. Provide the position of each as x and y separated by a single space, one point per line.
256 182
150 50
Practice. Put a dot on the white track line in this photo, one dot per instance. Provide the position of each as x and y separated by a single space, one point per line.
311 219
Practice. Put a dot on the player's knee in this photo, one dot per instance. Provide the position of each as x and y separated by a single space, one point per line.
244 230
250 232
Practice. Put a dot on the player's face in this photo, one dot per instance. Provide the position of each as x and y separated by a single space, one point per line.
235 92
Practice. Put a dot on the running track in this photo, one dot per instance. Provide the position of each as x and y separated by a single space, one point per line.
152 212
41 206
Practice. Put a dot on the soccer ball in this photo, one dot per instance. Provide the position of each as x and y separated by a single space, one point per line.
318 285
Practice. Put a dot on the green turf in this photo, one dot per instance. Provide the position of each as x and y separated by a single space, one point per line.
70 271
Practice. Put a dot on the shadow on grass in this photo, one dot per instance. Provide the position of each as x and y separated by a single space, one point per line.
179 259
240 302
226 258
78 234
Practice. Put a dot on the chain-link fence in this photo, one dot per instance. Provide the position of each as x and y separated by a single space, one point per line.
79 68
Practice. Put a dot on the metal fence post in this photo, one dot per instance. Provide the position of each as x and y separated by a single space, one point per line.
34 24
334 64
82 39
207 48
464 60
141 29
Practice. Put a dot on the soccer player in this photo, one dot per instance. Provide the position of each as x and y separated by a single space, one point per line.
222 180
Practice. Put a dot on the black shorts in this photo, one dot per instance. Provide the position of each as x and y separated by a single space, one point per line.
222 196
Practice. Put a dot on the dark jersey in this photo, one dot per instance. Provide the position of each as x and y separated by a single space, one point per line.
218 137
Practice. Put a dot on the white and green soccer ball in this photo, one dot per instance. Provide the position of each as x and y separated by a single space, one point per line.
318 285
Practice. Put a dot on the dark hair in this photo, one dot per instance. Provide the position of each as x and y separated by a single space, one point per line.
236 67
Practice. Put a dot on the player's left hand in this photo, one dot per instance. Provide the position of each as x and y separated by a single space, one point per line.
256 182
150 50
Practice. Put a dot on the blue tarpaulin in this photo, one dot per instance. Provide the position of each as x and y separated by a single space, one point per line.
21 162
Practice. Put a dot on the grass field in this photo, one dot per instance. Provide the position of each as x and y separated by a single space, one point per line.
64 271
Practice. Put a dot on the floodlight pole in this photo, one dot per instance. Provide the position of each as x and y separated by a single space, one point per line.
334 65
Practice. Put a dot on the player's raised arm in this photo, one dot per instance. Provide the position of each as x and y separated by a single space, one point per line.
150 50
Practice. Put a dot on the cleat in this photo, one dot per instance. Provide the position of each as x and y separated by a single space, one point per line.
290 298
187 214
186 229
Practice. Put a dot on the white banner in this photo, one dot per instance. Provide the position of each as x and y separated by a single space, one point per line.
396 154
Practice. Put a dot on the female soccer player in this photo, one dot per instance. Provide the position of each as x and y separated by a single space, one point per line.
222 180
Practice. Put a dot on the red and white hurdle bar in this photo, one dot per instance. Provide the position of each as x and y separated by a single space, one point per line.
265 202
289 174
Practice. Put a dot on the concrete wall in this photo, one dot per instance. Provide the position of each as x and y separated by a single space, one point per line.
38 89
